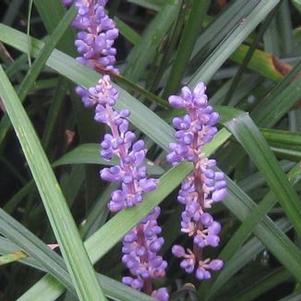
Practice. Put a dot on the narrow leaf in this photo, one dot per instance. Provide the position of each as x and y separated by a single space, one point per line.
78 264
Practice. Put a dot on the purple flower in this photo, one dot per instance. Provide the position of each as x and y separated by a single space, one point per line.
140 248
67 2
141 244
204 186
161 294
94 40
120 142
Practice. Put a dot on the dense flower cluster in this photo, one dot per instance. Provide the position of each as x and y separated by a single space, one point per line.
96 36
121 142
204 186
140 246
95 39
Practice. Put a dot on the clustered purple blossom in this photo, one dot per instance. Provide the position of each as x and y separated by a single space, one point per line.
140 246
96 36
204 186
121 142
95 39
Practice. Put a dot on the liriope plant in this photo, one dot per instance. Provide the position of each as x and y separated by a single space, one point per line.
203 187
193 199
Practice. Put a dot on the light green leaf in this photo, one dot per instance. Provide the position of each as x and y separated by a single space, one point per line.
90 154
232 42
248 135
78 264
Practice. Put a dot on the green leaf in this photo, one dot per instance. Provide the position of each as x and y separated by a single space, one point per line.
51 20
123 221
98 213
293 297
248 135
142 117
269 234
12 257
143 52
285 144
263 285
18 197
285 29
249 55
281 138
51 289
90 154
261 62
297 4
215 60
32 246
246 86
196 14
271 39
30 4
219 28
279 101
232 249
127 32
150 4
286 153
12 12
78 264
6 246
38 65
54 110
131 86
256 179
45 259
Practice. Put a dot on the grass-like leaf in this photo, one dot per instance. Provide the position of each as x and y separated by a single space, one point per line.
38 65
235 38
122 222
229 252
42 257
142 117
261 62
144 51
78 264
89 154
32 246
248 135
195 18
263 285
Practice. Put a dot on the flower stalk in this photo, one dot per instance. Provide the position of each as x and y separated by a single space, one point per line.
204 186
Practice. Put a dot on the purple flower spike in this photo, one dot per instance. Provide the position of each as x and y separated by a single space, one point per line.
140 248
204 186
97 35
94 40
121 142
141 244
